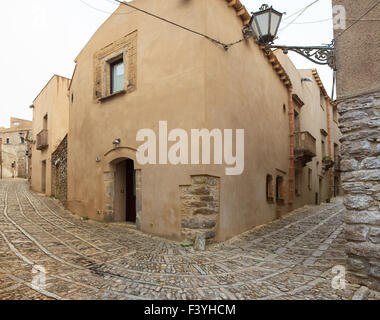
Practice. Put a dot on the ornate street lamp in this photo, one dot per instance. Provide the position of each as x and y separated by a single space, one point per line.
264 26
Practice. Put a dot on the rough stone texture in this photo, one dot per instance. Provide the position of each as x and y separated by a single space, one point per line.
138 199
288 259
109 197
360 123
59 172
200 242
199 203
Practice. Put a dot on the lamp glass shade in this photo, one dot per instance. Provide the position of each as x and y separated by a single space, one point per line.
265 24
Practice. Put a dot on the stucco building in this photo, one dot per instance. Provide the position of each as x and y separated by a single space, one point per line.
137 72
14 161
358 89
50 127
317 172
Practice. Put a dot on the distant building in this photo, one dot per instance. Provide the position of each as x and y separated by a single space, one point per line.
317 178
14 161
50 127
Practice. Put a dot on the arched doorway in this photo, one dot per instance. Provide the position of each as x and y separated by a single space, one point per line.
125 191
122 176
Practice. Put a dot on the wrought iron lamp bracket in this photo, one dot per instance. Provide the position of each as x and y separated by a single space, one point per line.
322 55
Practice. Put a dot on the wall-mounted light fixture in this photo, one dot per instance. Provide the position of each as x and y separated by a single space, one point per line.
264 27
116 142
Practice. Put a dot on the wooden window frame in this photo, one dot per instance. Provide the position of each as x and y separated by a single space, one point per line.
118 60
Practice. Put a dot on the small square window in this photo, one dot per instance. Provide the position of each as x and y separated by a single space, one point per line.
117 76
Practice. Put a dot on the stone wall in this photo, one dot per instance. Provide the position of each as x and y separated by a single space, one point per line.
360 125
199 204
59 172
109 197
14 153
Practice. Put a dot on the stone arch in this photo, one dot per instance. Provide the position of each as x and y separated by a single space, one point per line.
111 159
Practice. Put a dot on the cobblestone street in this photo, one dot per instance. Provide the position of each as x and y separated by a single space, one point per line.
289 259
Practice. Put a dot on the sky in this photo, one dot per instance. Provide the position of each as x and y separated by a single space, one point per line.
41 38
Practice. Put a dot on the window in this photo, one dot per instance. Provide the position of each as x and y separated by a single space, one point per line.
22 140
279 189
323 101
117 76
323 147
8 141
336 153
45 122
335 114
309 178
298 180
269 188
297 122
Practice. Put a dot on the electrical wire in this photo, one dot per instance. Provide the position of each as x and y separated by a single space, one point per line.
357 20
226 46
330 19
312 22
293 14
299 15
104 11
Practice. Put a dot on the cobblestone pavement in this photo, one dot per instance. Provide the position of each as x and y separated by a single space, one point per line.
290 258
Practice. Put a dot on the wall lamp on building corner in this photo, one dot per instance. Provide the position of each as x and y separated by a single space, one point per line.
116 142
264 26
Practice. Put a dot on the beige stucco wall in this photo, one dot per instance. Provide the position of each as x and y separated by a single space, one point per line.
358 61
313 118
52 101
192 83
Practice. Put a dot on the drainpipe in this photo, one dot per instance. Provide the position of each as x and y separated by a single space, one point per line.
329 141
291 153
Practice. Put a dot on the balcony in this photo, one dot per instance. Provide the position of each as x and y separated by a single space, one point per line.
305 148
42 140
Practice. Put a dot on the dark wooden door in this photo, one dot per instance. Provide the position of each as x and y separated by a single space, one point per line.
130 192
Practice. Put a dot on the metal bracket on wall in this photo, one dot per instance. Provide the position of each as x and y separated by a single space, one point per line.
322 55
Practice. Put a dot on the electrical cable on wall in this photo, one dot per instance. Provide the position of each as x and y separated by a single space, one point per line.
226 46
357 20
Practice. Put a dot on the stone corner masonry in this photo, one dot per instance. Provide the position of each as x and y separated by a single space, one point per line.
200 206
360 125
